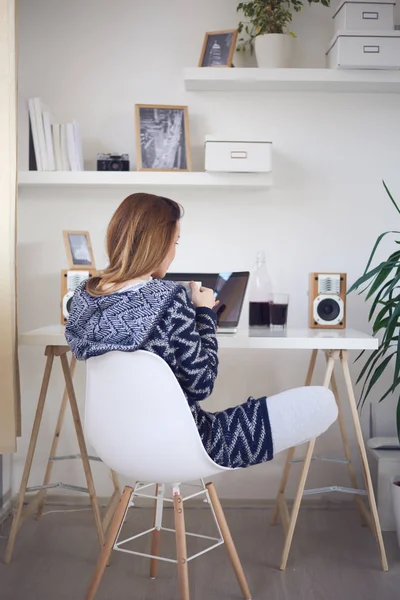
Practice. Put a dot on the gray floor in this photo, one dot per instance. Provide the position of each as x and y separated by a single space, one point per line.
332 558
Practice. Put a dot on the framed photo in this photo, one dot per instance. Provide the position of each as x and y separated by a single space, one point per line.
79 249
162 138
218 48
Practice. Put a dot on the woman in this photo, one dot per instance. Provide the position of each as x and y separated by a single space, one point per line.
129 307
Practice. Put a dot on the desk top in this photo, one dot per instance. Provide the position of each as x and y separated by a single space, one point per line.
287 339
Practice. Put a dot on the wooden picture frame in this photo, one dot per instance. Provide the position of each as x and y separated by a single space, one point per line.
150 135
79 250
222 56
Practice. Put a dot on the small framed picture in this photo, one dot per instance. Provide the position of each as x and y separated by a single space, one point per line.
162 138
79 249
218 48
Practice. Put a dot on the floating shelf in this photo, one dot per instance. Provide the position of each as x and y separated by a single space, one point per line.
284 80
143 179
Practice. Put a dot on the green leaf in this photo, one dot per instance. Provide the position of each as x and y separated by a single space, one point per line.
370 274
379 280
378 241
372 360
391 326
360 355
390 196
390 390
377 374
377 299
392 286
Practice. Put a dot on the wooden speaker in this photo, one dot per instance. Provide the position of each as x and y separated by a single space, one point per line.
328 300
70 280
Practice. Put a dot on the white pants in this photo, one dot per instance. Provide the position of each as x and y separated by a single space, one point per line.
299 415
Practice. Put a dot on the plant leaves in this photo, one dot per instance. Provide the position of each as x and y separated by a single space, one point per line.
377 299
379 280
372 360
369 274
391 326
377 374
360 355
390 196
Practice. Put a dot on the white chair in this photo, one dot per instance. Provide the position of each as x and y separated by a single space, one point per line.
139 422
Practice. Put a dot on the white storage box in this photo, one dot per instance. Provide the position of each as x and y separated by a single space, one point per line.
366 50
237 157
364 15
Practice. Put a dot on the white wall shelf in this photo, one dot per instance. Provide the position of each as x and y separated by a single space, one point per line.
143 179
284 80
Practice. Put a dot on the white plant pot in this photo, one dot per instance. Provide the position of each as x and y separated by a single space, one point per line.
273 50
396 504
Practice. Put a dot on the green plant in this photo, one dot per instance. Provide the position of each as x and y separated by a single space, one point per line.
267 16
383 285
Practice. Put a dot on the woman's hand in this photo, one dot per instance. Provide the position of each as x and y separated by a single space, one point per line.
202 297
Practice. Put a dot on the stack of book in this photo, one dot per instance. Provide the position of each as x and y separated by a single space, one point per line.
52 146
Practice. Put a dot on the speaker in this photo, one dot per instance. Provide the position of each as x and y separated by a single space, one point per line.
70 280
327 300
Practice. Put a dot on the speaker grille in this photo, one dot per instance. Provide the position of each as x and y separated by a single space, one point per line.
329 284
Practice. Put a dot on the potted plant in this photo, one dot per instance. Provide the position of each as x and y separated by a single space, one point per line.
266 29
383 285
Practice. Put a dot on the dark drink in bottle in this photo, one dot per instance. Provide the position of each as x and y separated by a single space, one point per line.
259 314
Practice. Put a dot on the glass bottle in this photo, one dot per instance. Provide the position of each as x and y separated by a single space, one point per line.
260 294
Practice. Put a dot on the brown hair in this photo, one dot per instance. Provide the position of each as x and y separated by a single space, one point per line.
139 237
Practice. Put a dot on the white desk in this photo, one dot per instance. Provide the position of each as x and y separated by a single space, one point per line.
334 343
288 339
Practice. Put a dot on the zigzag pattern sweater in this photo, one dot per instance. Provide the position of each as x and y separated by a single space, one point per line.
159 317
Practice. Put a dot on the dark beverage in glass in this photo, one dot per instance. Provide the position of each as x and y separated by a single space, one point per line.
259 314
278 310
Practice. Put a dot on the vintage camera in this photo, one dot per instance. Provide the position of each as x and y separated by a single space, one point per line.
113 162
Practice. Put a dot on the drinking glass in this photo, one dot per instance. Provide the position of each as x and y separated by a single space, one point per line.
278 310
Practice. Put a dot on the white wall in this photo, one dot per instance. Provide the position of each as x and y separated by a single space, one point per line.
93 60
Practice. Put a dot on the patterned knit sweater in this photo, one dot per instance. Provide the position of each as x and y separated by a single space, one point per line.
160 318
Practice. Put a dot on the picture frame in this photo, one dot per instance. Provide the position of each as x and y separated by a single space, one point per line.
162 138
218 48
79 250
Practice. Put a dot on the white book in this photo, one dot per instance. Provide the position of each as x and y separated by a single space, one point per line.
57 146
37 106
35 134
49 140
72 154
78 145
64 148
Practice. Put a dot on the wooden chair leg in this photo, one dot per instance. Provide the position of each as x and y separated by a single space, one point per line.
230 546
110 540
156 535
181 552
113 503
